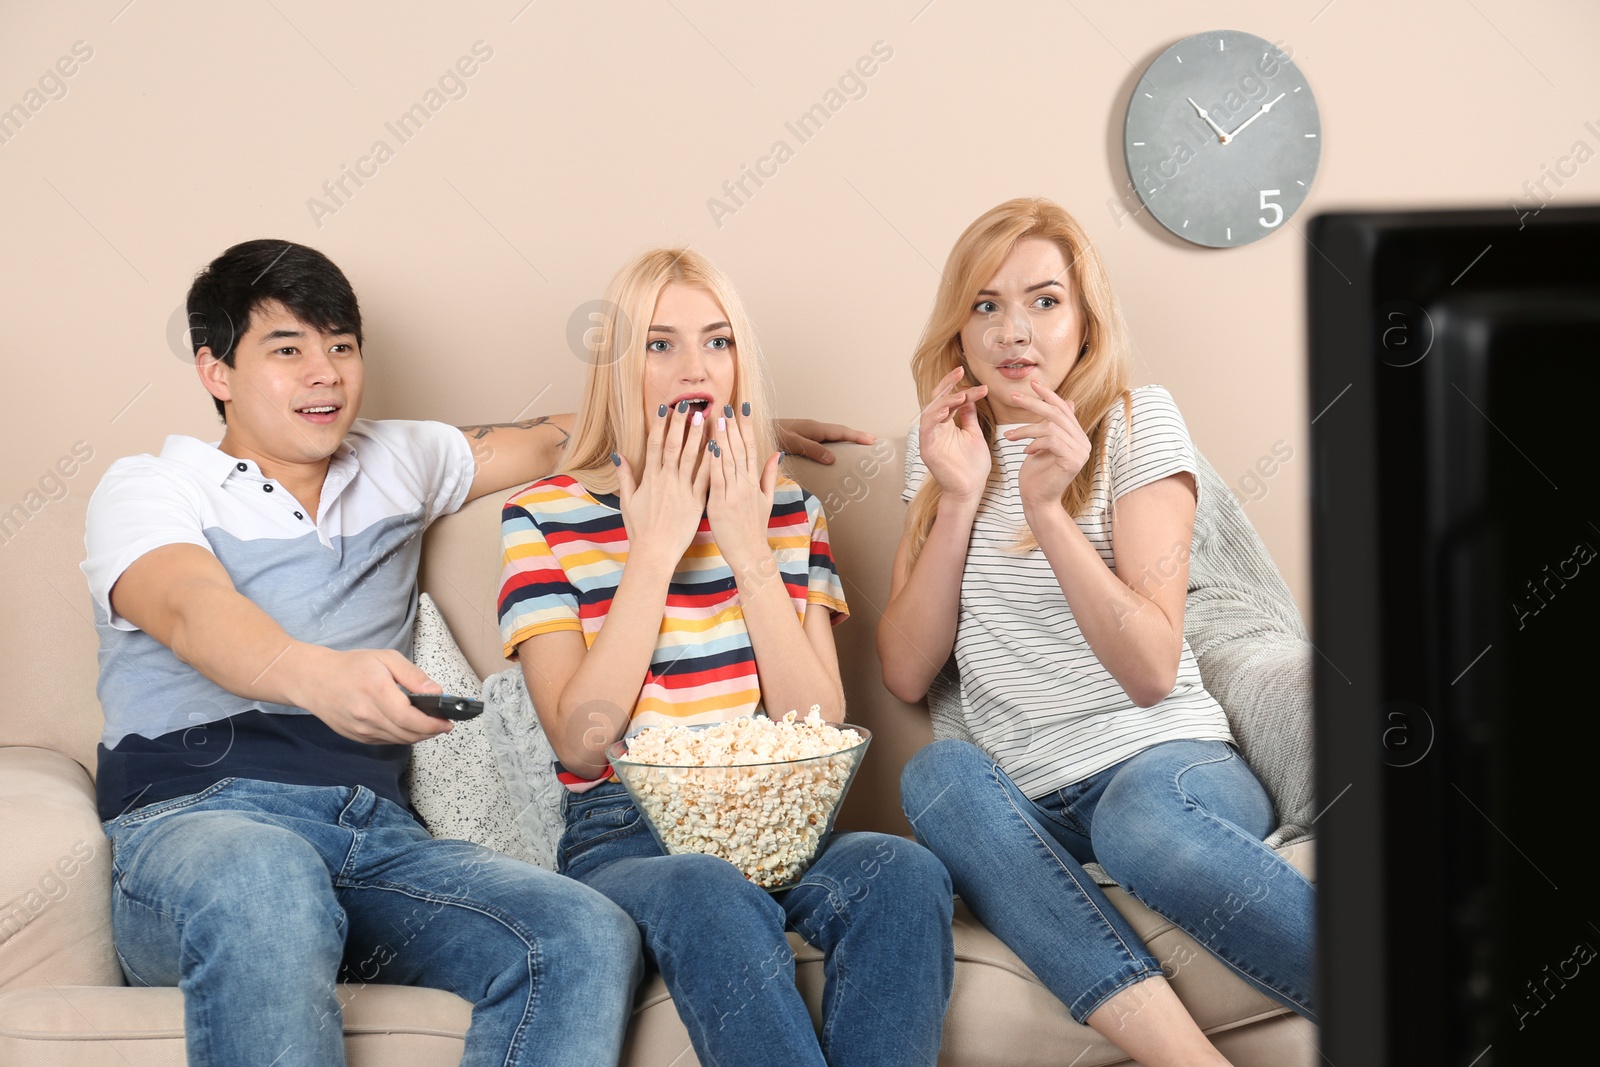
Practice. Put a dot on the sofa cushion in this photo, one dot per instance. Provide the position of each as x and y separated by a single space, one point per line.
455 786
55 881
526 764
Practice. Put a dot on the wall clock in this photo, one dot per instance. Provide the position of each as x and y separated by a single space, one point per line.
1222 138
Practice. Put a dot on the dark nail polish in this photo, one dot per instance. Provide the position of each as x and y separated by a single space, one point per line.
616 460
661 412
746 407
683 405
727 411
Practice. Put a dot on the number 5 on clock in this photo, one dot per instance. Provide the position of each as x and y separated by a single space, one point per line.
1277 211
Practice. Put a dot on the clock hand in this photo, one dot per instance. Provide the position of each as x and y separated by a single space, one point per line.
1264 109
1223 137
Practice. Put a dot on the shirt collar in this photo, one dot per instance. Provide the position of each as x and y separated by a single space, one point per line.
216 466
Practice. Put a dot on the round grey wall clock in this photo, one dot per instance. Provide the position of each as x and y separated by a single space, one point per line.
1222 138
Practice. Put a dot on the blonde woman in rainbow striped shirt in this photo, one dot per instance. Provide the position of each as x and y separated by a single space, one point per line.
669 573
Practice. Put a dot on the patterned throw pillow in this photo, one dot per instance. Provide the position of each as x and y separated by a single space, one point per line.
456 784
527 764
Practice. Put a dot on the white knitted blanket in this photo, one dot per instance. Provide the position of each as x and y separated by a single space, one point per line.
1253 653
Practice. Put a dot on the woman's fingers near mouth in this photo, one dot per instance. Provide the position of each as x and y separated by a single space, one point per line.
694 433
1034 403
1032 429
719 434
966 396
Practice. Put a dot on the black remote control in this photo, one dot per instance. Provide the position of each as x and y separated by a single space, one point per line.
445 706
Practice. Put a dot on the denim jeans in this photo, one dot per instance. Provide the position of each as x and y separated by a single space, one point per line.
879 907
1179 826
253 897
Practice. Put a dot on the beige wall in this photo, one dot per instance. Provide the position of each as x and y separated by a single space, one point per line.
593 131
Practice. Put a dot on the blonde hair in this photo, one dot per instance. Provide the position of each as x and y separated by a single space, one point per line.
1097 381
611 417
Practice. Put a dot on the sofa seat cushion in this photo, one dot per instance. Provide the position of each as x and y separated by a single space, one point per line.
90 1026
999 1015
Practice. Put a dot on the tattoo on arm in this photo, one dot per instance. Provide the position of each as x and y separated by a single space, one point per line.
483 430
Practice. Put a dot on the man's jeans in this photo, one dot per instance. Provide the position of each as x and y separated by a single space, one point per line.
1179 826
878 906
250 896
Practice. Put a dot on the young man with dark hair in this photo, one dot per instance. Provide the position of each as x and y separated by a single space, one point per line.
254 600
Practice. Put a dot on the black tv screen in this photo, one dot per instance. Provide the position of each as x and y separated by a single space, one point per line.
1455 398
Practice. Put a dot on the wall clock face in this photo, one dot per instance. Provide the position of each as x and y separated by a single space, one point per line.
1222 138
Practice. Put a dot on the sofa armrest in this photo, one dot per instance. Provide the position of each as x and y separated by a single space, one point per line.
55 875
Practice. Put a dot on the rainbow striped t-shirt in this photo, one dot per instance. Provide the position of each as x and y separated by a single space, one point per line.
563 551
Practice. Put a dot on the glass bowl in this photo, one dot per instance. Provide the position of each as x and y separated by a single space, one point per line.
768 819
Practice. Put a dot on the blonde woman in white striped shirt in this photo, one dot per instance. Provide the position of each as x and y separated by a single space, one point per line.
1046 546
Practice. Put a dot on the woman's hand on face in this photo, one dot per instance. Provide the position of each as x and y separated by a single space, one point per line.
661 509
951 440
1057 452
739 501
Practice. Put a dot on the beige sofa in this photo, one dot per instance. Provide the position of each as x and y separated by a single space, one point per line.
62 997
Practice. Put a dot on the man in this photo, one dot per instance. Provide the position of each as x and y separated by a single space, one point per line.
254 601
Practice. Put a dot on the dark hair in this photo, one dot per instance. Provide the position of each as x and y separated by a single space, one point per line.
228 291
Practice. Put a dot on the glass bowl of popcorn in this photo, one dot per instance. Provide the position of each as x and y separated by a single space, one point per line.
760 793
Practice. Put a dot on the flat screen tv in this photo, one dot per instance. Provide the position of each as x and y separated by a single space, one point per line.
1455 405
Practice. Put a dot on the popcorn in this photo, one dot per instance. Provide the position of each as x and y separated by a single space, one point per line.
759 793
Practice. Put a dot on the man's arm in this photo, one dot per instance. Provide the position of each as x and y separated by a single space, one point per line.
512 454
181 595
804 437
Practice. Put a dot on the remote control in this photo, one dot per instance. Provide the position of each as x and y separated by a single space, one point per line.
445 706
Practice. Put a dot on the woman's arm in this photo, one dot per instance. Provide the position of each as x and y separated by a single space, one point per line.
1132 617
1134 624
796 662
586 695
918 627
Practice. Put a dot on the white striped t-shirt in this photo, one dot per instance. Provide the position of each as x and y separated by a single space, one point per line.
1033 693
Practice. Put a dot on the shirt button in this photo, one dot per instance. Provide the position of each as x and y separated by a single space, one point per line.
243 466
266 488
298 515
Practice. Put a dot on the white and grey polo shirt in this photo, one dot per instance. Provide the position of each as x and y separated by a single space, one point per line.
346 580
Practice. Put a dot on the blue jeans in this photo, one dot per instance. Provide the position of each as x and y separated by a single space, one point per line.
1179 826
253 896
878 906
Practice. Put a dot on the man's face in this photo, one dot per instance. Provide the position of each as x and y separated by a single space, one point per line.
293 391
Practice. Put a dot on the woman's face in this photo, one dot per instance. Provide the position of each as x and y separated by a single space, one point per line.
1024 325
689 352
